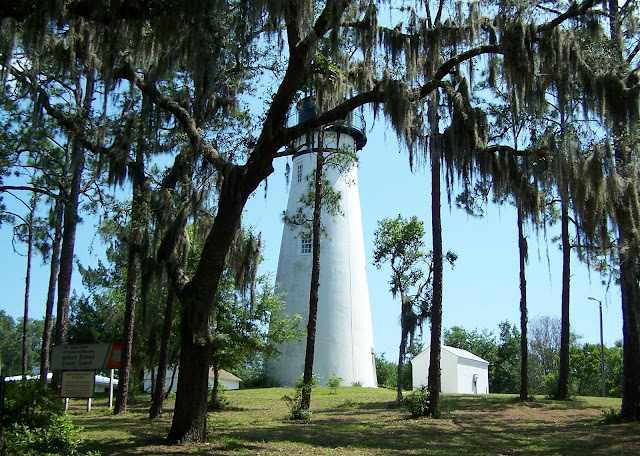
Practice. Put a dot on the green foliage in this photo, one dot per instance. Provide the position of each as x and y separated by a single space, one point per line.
334 383
36 423
299 383
505 376
29 405
221 399
58 438
417 402
11 344
610 416
296 410
386 372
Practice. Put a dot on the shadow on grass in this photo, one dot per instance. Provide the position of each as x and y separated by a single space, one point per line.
469 425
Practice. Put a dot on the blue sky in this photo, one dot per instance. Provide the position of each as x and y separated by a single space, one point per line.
479 292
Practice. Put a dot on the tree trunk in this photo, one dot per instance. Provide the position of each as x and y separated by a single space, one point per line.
524 349
66 254
70 224
216 383
133 265
436 228
27 286
630 324
315 281
197 297
401 353
158 394
51 293
563 371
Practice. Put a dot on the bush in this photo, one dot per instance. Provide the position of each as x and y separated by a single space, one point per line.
60 437
36 423
417 402
333 383
295 401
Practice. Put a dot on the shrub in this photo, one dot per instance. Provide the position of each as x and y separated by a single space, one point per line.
36 423
610 416
417 402
295 401
59 437
333 383
300 381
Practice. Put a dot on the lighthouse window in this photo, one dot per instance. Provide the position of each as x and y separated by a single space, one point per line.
299 172
305 243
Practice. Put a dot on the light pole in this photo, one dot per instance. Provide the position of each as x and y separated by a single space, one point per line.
604 386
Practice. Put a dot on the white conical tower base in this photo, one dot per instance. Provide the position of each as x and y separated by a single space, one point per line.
344 335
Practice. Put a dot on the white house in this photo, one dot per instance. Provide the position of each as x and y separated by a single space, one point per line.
225 379
461 371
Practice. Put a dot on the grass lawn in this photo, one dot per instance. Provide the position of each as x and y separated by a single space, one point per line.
362 421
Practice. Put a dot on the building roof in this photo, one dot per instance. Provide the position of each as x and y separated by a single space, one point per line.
224 375
460 353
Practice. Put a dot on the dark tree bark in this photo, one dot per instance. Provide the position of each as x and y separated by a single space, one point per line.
403 347
133 266
436 228
70 223
51 293
563 372
27 286
158 393
197 296
307 377
138 222
66 253
524 349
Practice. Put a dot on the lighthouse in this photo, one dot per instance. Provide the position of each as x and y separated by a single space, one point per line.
344 335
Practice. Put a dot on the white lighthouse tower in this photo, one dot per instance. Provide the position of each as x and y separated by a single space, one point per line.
344 335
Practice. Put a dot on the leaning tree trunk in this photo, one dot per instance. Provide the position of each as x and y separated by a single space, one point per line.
436 228
563 371
158 394
51 293
197 297
307 377
524 349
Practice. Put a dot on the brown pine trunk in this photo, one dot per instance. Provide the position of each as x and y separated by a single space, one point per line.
436 302
563 371
27 286
133 266
51 293
66 254
401 353
158 394
315 283
524 349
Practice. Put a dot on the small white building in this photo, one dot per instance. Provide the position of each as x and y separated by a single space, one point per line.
225 379
461 371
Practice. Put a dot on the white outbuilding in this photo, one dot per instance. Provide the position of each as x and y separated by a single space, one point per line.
461 371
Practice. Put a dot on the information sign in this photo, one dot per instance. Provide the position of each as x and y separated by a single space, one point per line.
86 357
77 384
